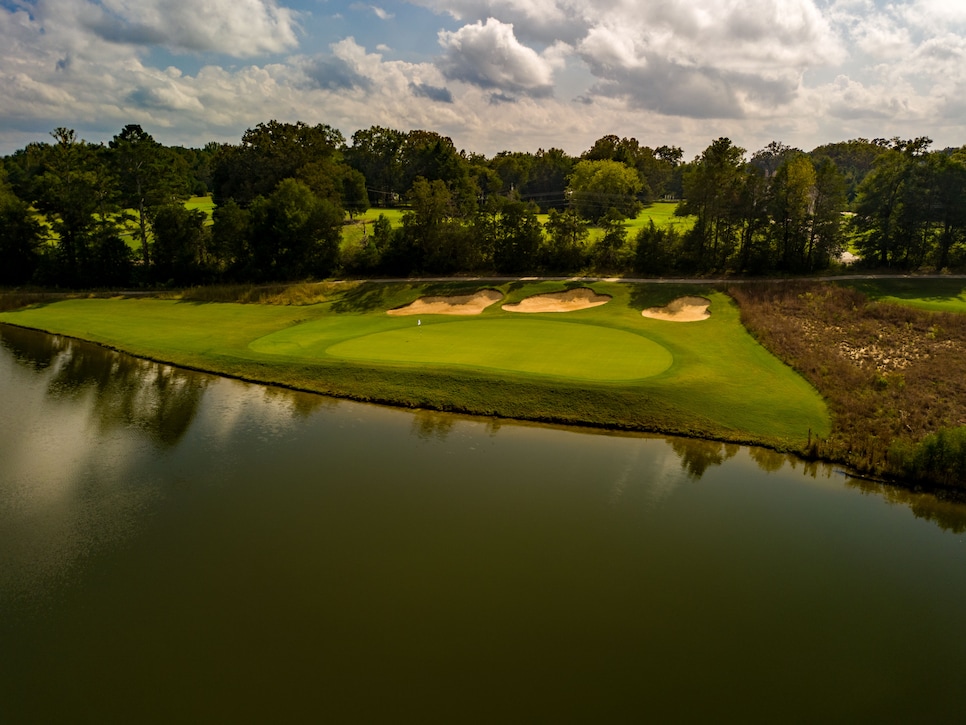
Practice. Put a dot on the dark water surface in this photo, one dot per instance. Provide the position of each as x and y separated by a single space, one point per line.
176 547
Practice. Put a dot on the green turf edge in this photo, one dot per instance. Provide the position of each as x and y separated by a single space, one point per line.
682 404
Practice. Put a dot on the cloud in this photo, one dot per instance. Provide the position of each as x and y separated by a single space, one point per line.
379 12
707 59
488 55
330 72
522 74
852 100
235 27
433 93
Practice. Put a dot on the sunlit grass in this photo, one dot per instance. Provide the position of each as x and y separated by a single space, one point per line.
606 366
936 295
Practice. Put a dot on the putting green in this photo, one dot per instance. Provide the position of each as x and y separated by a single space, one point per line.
560 349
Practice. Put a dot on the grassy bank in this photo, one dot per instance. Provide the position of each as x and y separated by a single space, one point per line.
605 366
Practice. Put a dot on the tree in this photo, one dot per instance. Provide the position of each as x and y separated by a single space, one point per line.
20 237
231 235
547 183
148 174
654 167
425 226
825 242
518 236
608 251
600 189
76 192
355 199
111 263
377 153
946 202
294 233
566 240
889 213
181 253
514 169
655 249
271 152
793 195
712 186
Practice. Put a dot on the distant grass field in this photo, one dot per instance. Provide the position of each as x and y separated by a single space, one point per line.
354 230
606 366
935 295
130 233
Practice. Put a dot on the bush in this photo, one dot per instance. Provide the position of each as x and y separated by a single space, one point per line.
940 458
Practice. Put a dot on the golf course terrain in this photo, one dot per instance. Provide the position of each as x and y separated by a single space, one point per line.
650 357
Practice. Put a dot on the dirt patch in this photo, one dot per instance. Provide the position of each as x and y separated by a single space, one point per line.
570 300
683 309
472 304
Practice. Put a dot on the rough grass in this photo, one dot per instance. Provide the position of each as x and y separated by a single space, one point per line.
720 384
891 373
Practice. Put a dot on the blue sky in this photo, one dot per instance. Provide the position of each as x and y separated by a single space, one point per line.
492 74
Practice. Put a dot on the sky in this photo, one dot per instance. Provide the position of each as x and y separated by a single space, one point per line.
493 75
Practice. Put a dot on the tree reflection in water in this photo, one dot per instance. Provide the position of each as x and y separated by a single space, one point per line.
697 456
161 402
128 392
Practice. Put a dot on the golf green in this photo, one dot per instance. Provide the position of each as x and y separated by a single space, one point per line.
543 347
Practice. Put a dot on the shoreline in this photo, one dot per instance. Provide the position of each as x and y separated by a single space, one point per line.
466 391
550 421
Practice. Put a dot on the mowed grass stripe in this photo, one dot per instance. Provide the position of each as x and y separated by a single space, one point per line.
543 347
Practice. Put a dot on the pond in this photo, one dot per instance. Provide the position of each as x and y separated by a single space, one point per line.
183 547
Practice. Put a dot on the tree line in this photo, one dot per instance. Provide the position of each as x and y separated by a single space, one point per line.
284 193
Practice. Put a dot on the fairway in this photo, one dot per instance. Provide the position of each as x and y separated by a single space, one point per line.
543 347
933 294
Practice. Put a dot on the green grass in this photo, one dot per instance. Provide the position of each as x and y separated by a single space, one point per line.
205 203
537 346
606 366
353 231
935 295
660 212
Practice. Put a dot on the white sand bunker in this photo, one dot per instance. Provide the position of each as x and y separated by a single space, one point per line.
570 300
472 304
683 309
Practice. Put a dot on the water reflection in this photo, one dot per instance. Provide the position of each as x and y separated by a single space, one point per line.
949 515
697 456
433 557
158 400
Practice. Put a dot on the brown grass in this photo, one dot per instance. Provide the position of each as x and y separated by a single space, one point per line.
890 373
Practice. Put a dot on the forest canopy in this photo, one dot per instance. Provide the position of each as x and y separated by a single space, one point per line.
79 214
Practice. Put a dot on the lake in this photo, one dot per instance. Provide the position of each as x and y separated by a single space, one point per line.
178 547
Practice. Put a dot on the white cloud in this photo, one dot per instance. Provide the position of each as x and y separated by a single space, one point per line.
235 27
488 55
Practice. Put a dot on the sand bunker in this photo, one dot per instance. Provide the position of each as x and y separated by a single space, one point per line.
683 309
472 304
570 300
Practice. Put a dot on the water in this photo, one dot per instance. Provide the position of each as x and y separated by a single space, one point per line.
183 548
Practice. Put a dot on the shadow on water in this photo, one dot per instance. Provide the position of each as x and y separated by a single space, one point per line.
158 400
